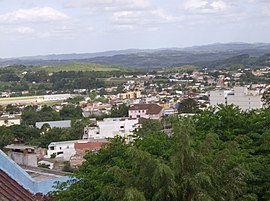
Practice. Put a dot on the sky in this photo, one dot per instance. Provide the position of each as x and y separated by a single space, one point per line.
40 27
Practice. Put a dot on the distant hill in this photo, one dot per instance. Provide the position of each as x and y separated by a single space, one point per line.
214 55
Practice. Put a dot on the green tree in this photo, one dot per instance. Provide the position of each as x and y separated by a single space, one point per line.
188 105
266 97
71 112
119 111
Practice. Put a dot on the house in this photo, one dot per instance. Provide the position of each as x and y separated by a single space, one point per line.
65 149
18 184
10 120
111 127
130 95
148 111
55 124
81 148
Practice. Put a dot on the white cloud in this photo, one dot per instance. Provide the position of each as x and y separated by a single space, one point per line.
109 5
43 14
150 20
21 30
25 30
206 6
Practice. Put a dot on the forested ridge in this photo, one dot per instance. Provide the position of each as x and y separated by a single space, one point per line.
218 154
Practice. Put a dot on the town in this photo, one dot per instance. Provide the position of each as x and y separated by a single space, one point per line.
49 134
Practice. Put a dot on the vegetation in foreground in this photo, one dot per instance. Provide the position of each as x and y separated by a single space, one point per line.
215 155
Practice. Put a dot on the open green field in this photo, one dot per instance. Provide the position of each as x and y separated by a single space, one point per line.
81 67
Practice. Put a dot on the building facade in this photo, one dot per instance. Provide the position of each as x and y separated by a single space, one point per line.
111 127
240 96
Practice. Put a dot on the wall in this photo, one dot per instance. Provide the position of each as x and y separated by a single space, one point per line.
138 113
23 159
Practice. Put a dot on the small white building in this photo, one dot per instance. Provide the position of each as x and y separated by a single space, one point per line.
64 149
111 127
242 97
54 97
10 120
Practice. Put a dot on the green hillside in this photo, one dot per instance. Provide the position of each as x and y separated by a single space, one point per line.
81 67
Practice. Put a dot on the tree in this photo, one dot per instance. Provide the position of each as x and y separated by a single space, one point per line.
71 112
12 109
188 105
119 111
75 100
266 97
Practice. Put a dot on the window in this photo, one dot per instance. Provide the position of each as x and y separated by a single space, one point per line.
60 148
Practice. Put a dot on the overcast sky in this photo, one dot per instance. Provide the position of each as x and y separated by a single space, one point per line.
35 27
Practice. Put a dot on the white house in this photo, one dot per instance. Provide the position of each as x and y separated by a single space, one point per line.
111 127
148 111
66 149
63 149
240 96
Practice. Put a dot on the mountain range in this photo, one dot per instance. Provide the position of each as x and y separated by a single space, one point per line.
213 55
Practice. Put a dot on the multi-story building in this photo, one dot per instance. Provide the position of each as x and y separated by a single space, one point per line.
111 127
130 95
240 96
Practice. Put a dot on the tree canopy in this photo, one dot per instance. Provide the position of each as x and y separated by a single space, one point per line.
220 154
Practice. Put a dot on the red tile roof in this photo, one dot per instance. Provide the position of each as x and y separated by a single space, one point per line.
92 146
150 108
10 190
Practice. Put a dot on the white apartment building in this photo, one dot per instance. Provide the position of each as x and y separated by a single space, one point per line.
240 96
111 127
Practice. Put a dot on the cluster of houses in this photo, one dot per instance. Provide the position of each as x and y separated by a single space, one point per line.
145 100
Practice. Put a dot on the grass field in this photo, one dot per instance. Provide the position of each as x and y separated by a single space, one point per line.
81 67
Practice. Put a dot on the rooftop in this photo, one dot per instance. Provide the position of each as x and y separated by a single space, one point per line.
150 108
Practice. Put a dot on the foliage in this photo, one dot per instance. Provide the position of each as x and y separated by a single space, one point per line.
220 154
70 112
119 111
266 97
75 100
188 105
